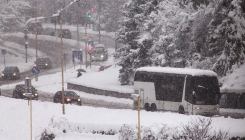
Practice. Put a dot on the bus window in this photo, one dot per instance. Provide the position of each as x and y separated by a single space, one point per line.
169 88
206 89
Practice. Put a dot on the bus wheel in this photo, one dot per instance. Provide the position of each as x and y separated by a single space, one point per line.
147 107
153 107
181 110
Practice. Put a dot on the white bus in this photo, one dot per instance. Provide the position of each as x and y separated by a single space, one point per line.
183 90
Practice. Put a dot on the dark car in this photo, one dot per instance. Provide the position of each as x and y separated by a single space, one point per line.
69 97
11 73
31 27
43 63
99 53
48 31
66 33
21 93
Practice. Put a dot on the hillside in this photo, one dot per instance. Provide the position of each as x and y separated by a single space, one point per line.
13 15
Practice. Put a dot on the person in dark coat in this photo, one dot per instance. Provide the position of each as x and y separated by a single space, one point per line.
79 74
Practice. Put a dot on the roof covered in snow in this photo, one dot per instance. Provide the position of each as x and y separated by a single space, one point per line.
188 71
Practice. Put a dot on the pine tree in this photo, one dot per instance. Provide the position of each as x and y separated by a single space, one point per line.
136 36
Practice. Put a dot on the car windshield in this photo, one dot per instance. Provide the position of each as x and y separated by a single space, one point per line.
98 50
206 89
70 93
32 88
9 69
41 60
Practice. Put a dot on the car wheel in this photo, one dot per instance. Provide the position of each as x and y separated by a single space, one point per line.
147 107
181 110
55 100
14 96
153 107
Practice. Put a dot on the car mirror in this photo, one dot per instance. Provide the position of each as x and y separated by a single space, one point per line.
193 97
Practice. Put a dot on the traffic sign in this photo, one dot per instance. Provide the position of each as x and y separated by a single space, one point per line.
35 70
77 54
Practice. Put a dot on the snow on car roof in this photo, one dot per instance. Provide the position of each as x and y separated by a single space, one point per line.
34 19
188 71
99 45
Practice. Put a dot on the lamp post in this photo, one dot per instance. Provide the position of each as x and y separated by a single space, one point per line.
26 46
99 17
26 42
29 95
59 15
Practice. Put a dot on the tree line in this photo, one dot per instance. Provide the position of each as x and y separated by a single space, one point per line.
205 34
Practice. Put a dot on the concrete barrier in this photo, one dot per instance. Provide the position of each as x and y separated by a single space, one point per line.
98 91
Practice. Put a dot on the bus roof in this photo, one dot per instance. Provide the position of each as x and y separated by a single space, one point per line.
187 71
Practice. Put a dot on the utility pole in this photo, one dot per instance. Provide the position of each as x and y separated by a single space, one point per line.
62 62
77 25
26 42
117 7
86 40
55 21
99 18
36 75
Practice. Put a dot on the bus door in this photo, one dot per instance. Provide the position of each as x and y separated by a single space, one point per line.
189 106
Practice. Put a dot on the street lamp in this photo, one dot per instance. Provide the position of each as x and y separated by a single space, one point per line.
3 51
26 42
59 15
29 95
26 46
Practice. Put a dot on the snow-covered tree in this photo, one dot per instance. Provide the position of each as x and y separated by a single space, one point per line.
13 16
232 29
135 34
172 43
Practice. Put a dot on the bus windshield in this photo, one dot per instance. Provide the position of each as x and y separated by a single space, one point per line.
206 90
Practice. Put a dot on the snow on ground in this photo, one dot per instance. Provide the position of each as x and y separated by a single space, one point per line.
80 121
15 56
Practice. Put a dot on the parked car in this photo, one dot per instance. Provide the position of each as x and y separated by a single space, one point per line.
43 63
11 73
99 53
31 27
69 97
48 31
20 92
66 33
